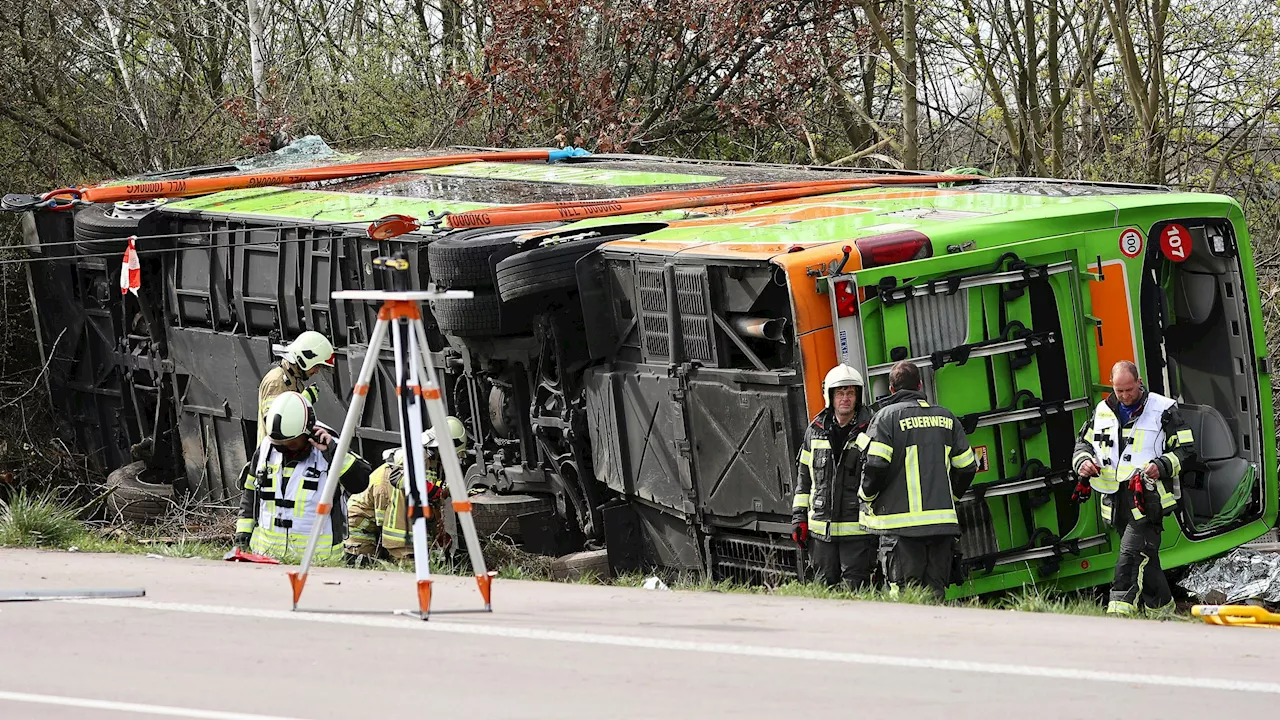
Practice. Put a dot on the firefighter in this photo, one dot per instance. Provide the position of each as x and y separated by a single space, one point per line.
918 464
825 506
282 484
1132 451
380 515
305 357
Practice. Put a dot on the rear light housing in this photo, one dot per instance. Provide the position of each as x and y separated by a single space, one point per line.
893 248
846 298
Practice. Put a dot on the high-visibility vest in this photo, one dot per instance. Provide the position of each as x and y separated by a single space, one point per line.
1123 450
288 504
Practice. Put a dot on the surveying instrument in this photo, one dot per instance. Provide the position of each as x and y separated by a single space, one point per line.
417 388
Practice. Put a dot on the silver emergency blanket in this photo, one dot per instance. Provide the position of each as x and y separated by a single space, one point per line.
1242 574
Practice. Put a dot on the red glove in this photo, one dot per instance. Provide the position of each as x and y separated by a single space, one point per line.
1082 491
800 533
1135 487
434 491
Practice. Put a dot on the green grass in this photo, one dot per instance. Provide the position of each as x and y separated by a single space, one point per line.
39 519
46 520
1037 600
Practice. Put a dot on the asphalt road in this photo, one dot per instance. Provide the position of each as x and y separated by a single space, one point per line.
218 641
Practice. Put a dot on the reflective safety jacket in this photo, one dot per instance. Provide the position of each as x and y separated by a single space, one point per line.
380 515
918 463
280 503
826 491
1155 433
284 377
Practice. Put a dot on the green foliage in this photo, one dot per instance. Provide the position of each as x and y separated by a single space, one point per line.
39 519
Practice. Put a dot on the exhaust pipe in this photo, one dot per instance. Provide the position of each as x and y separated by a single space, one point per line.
760 328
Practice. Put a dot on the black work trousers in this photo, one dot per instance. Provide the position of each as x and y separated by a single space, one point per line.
850 558
1138 572
924 561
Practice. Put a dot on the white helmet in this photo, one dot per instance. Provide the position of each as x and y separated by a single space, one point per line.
309 350
290 416
457 431
840 376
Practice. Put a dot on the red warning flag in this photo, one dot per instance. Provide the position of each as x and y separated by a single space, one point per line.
130 270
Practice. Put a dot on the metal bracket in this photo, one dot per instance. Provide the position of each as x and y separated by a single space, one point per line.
1025 406
1014 338
1019 274
1032 476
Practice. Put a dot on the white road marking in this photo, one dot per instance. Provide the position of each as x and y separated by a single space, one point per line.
651 643
136 708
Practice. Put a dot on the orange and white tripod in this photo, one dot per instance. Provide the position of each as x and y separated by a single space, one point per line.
416 387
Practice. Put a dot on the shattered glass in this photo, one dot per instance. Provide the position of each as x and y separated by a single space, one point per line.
307 149
1242 574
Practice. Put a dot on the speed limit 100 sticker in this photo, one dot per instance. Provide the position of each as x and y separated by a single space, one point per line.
1131 243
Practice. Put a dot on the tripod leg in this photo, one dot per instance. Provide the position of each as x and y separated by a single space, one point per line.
299 579
410 405
452 470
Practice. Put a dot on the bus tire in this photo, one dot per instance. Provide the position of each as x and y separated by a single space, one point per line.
478 316
465 259
548 268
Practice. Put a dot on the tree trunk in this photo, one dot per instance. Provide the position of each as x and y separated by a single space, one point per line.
256 59
1056 104
910 94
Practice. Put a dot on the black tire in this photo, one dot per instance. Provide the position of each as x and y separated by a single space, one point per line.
549 268
133 498
495 513
98 230
478 316
465 259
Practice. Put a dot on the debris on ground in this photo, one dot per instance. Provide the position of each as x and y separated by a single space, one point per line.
581 565
1243 574
655 583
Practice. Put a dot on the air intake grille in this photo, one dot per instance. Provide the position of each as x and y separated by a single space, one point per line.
693 299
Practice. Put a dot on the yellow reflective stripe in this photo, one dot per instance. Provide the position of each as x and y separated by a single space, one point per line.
1174 463
278 544
1167 500
819 443
801 500
1184 437
915 500
806 457
1119 607
311 393
923 403
964 459
1106 512
880 450
865 496
244 525
1105 482
909 519
837 529
348 462
862 441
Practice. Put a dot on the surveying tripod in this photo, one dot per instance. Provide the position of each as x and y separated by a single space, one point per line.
416 387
